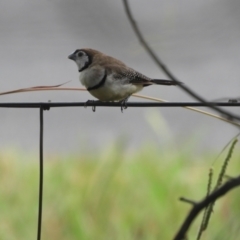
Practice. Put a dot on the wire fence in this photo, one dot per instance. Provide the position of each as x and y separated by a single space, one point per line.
42 106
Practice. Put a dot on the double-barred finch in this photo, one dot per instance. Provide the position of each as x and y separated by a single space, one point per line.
109 79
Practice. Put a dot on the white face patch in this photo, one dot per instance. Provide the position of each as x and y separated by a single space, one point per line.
81 59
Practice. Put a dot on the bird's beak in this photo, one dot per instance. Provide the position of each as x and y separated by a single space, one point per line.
72 57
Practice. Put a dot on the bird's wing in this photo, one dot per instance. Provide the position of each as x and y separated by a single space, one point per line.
128 75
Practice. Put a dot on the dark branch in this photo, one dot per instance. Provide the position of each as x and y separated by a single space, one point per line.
198 207
186 200
166 70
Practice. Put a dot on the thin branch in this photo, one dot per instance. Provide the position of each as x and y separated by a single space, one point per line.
197 208
166 70
186 200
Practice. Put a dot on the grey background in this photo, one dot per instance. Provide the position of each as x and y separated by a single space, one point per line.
198 40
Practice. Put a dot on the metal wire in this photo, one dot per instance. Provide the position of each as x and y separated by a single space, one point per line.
40 176
47 105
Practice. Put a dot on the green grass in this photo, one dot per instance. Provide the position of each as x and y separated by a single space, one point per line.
113 194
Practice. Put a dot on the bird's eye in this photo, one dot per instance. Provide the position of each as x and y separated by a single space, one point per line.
80 54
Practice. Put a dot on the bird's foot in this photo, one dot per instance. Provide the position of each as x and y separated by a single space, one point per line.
124 104
92 103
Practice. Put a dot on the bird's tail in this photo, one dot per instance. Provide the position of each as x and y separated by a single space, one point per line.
163 82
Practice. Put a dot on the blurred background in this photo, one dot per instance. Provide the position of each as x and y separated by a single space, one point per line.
198 41
134 165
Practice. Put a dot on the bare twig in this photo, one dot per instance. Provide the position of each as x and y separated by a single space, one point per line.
186 200
197 208
166 70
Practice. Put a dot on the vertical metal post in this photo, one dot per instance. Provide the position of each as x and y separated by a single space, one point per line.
40 175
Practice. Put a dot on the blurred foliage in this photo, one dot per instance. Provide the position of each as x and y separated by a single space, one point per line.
113 194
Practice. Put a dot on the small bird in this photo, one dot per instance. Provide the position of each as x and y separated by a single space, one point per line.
108 79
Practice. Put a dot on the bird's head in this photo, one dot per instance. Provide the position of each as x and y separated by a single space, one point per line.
85 57
82 58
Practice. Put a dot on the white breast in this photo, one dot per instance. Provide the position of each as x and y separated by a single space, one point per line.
91 76
115 90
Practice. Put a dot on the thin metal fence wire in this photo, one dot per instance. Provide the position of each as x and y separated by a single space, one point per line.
40 197
47 105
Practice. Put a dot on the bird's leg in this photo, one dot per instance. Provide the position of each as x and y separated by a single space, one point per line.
124 103
92 102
